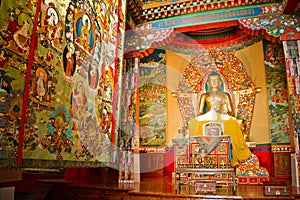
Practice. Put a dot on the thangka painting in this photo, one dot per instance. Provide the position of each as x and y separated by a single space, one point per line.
58 76
277 93
152 99
235 81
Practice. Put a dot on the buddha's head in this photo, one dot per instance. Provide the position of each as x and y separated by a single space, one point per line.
214 81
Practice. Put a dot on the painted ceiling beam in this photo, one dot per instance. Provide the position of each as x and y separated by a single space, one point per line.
145 11
218 16
208 26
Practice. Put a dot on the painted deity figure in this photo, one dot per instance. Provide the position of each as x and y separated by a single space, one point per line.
215 98
85 32
12 27
22 38
41 81
80 101
52 30
93 75
69 60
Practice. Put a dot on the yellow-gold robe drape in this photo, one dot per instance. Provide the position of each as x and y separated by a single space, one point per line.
240 150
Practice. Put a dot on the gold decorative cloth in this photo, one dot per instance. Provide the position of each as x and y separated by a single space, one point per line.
240 150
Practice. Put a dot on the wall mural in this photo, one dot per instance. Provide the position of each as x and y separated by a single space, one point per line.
69 115
277 93
152 99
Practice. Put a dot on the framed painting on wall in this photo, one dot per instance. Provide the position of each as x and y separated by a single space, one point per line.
152 99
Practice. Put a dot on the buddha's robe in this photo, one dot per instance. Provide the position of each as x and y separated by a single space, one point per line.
240 150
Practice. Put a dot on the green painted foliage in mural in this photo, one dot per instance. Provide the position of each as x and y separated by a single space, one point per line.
277 93
152 100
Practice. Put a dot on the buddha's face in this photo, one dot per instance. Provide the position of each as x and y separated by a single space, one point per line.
214 81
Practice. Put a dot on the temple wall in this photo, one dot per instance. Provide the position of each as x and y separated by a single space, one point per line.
253 59
176 64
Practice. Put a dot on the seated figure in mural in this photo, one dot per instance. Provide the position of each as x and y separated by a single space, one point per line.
215 99
22 38
220 111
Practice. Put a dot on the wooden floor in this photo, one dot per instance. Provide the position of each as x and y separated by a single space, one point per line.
166 186
103 185
152 188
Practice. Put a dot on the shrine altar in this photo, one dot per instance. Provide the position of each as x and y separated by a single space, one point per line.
204 158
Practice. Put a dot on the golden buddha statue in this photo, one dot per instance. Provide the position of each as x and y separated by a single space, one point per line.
220 111
215 99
